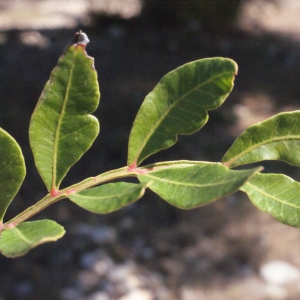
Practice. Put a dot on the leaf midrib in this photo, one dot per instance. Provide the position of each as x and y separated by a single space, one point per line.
59 125
22 236
265 142
189 184
269 196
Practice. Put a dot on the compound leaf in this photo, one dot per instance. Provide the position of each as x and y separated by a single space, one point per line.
19 240
277 138
179 105
188 185
61 128
12 170
109 197
276 194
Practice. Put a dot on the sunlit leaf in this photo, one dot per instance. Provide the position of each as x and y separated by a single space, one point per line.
12 170
61 128
19 240
179 105
276 194
277 138
190 185
109 197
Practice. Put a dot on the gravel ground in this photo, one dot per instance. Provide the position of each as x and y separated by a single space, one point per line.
150 250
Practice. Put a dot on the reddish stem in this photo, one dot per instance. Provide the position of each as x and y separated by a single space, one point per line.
54 192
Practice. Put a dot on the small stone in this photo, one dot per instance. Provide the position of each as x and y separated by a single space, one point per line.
187 293
89 259
133 281
279 272
121 272
173 266
103 266
88 279
98 296
140 294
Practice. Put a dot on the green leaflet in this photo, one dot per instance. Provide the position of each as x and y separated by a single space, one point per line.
276 194
61 128
12 170
109 197
179 105
19 240
191 184
277 138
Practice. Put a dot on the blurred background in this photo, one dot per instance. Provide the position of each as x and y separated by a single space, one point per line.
151 250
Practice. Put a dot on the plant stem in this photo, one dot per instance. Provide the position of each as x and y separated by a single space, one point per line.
49 200
85 184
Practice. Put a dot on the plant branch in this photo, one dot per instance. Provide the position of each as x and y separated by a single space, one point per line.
85 184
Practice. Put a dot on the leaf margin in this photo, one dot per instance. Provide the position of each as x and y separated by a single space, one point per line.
17 176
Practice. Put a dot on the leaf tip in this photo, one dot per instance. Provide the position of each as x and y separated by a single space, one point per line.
81 39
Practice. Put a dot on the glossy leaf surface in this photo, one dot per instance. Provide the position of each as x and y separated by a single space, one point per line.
12 170
190 185
109 197
276 194
19 240
179 105
277 138
61 127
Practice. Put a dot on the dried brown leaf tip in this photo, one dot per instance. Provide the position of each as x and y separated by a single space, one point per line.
81 39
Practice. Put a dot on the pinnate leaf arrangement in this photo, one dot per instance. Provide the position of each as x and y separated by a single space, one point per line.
62 128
